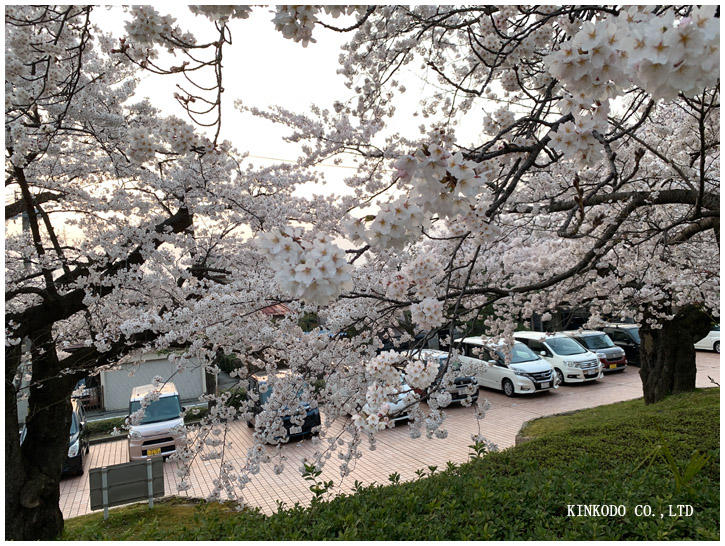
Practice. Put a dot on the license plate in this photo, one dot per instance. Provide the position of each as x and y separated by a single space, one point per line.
612 366
592 374
156 451
545 385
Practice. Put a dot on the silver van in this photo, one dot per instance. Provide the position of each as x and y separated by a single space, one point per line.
159 431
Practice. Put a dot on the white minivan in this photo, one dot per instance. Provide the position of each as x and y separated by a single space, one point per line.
523 372
573 363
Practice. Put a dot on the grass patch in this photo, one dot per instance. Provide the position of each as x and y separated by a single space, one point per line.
591 457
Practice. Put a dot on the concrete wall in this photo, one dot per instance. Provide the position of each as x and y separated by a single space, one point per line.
117 384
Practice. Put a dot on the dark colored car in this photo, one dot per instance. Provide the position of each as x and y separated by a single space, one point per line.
625 336
613 358
395 343
78 443
311 422
464 386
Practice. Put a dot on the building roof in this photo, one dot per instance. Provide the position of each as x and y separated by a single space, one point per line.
169 389
279 374
276 310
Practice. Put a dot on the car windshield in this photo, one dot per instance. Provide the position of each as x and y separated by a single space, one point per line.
264 396
565 346
163 409
598 341
452 365
73 424
520 353
634 332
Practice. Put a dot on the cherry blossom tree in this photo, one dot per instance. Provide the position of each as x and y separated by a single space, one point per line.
594 179
590 177
131 216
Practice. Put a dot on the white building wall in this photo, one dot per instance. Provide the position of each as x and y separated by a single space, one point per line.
117 384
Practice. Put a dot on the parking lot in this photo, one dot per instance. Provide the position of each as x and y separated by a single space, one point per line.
396 451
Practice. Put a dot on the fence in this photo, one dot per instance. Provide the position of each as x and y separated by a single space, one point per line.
125 483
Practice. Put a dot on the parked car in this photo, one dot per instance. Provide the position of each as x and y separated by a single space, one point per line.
159 430
613 358
399 410
464 386
394 343
625 336
523 372
78 443
572 362
262 389
711 341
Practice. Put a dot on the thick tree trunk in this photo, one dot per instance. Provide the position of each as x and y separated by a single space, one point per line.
667 354
14 475
33 469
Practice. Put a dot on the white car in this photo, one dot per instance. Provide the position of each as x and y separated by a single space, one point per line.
523 372
399 404
711 341
573 362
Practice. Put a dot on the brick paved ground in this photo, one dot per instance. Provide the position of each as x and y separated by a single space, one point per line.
395 450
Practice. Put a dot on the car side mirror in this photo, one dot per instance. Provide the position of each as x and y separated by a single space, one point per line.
542 353
183 408
491 362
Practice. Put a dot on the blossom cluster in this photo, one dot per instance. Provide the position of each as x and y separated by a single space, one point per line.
421 271
420 373
395 224
576 139
147 27
222 13
427 314
297 22
441 183
382 368
315 270
662 55
437 183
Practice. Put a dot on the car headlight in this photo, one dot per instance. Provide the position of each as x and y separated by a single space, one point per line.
73 449
572 364
523 374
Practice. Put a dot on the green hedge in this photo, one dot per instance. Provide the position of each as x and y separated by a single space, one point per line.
597 456
104 427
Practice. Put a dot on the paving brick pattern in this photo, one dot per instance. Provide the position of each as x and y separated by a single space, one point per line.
395 450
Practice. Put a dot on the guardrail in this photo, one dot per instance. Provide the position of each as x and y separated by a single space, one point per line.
125 483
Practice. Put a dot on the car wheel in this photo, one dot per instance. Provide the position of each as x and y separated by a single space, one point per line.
79 471
560 375
508 387
716 347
